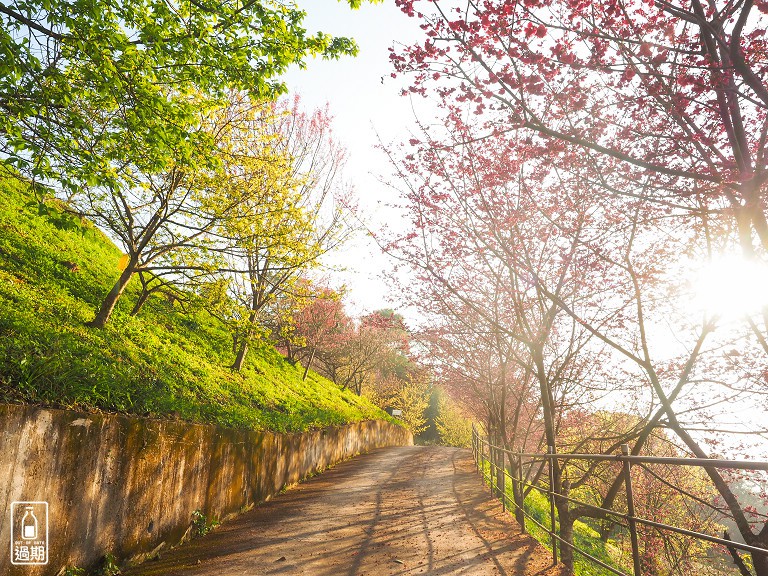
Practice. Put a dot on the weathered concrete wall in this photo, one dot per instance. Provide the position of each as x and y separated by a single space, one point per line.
127 485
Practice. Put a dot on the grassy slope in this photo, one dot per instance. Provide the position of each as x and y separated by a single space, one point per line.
158 364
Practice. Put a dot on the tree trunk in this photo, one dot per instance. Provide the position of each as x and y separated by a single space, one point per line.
243 349
516 467
108 305
235 340
500 469
309 363
606 527
760 562
517 494
737 560
240 358
563 511
566 533
140 302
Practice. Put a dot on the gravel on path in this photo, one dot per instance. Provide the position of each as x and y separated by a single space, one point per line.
395 511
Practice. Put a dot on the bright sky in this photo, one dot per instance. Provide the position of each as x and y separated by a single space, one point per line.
364 100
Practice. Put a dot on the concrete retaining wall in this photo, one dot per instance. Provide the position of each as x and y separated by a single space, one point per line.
127 486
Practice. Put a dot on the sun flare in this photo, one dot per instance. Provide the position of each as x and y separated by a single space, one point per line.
732 286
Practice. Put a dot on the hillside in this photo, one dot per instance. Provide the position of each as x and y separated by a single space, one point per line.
54 270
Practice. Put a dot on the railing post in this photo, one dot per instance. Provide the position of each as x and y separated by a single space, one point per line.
478 446
477 449
503 484
627 471
520 490
501 480
491 471
551 467
480 456
496 471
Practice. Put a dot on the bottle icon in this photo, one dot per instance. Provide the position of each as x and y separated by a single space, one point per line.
28 524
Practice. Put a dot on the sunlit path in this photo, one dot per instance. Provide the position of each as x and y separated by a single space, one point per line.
415 510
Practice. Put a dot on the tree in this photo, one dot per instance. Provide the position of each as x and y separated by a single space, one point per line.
353 355
453 427
134 64
306 319
163 220
671 94
676 495
272 242
580 283
359 353
409 395
412 399
287 213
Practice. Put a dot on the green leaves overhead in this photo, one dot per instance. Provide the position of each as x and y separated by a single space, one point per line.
85 84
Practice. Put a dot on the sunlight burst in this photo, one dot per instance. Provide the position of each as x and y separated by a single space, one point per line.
732 286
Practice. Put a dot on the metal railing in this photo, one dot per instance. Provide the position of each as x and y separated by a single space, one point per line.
498 476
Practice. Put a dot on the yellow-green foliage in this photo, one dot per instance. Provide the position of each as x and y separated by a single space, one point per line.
453 427
54 270
411 396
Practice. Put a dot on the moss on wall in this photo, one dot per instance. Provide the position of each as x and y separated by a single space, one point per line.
127 486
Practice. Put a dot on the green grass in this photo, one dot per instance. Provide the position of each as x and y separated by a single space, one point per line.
54 271
585 538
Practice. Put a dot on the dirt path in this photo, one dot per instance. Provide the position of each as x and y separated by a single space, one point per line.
396 511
